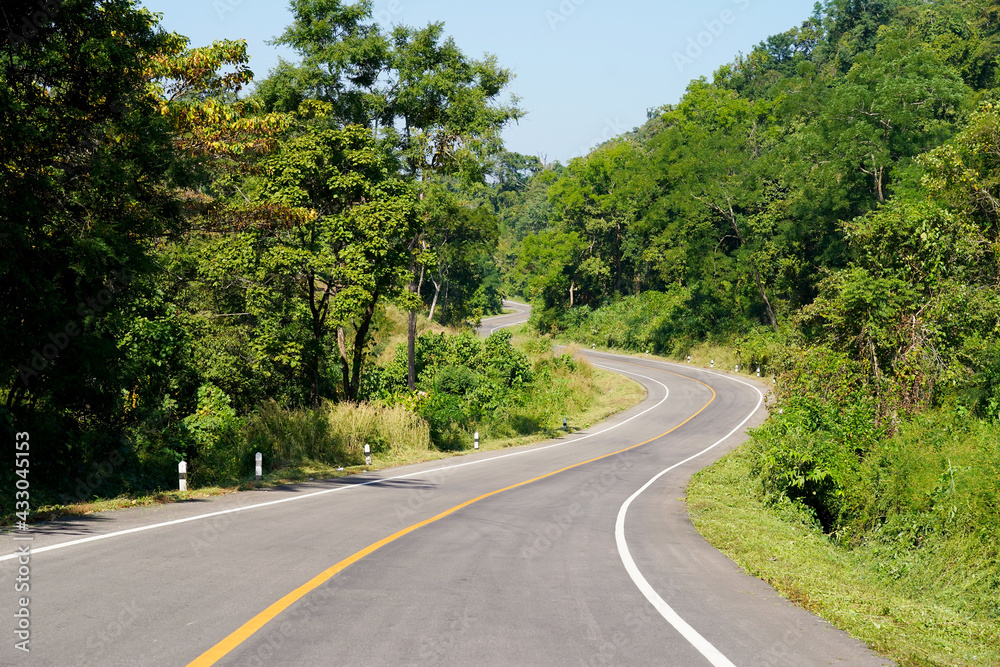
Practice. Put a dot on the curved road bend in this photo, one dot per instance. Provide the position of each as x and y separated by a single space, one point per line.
459 562
519 316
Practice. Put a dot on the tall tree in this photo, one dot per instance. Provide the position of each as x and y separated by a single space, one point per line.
87 186
345 246
84 161
459 234
413 88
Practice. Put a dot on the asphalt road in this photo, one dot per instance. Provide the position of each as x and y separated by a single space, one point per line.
569 553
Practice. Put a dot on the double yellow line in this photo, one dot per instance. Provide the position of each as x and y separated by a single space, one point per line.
244 632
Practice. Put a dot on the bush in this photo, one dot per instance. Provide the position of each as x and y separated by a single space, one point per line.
664 322
447 419
812 449
458 380
920 495
211 436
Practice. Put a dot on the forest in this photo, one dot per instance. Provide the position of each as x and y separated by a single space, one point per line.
194 257
187 249
825 208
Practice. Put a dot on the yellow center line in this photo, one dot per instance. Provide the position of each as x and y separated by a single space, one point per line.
244 632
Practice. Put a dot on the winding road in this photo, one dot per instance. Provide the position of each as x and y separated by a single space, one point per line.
577 551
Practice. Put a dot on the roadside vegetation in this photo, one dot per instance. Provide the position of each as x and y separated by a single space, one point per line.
512 392
194 259
198 265
826 208
921 587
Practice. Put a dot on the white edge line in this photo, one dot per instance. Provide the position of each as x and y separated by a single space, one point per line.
703 646
513 324
139 529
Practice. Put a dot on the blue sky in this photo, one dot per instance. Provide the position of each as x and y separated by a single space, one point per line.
586 70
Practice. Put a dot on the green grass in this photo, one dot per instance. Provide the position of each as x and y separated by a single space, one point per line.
895 615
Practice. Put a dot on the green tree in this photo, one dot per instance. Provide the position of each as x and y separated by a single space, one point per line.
552 260
416 91
86 187
891 106
713 160
920 299
345 244
458 236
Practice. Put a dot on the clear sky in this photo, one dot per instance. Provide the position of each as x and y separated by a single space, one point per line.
587 70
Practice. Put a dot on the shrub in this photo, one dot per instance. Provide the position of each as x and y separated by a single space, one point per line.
458 380
211 432
447 419
811 450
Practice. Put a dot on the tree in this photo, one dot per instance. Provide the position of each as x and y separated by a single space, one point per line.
86 187
450 122
457 235
344 58
415 91
713 157
552 259
345 246
217 132
890 106
920 299
599 197
852 28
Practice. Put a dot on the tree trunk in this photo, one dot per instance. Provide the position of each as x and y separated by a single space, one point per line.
767 304
318 308
411 325
411 350
437 291
359 349
345 370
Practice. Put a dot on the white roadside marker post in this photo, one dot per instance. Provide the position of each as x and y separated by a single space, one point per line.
258 466
712 364
689 358
368 455
565 427
182 475
737 368
477 441
758 371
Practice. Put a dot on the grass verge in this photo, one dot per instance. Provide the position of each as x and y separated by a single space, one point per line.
782 544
